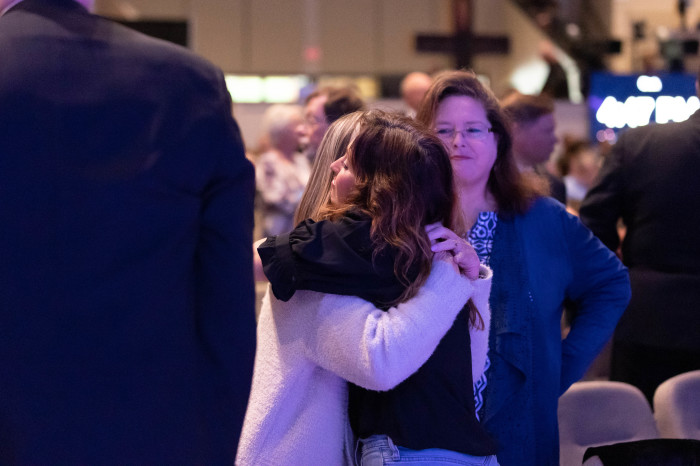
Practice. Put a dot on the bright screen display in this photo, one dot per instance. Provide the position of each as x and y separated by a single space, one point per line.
616 102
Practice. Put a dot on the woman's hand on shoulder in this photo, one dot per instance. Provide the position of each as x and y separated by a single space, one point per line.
449 246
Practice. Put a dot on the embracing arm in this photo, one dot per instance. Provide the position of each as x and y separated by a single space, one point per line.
600 287
464 255
377 350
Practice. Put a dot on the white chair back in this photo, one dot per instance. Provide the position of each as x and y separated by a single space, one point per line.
600 413
677 406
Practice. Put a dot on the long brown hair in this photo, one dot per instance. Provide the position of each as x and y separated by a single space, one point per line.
403 182
513 192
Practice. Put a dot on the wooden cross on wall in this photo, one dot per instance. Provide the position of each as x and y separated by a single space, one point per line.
463 45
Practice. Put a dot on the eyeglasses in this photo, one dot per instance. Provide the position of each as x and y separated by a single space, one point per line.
472 131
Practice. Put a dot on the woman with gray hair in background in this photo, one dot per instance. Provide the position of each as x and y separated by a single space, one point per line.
281 172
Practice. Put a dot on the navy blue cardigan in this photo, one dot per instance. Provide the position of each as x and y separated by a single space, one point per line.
539 259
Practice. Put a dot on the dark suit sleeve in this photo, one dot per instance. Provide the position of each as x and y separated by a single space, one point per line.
224 268
602 207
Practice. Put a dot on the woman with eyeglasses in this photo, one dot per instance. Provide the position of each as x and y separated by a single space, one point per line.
540 256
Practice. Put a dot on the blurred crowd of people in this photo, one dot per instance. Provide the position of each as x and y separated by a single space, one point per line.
292 133
565 168
287 149
496 185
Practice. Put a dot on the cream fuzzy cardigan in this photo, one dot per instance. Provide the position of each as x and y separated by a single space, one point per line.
309 346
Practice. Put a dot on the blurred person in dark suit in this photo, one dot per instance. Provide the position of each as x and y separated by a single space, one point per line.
650 181
127 329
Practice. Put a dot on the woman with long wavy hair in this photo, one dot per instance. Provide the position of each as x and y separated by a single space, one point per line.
365 291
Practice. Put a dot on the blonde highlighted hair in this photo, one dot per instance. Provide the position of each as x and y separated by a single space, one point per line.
332 147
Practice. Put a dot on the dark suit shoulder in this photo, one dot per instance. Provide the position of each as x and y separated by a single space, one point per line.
127 54
660 137
171 58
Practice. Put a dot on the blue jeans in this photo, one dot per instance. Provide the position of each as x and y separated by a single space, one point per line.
379 450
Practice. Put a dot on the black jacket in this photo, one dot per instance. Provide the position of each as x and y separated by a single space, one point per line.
650 181
127 319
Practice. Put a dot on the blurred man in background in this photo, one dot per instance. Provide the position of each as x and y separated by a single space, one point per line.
323 107
532 117
413 87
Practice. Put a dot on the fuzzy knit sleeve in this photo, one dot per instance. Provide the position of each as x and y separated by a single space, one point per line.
377 350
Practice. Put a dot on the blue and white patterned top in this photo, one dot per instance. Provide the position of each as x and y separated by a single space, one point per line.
481 238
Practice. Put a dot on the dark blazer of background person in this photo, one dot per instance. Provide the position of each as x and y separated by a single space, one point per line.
651 181
127 330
